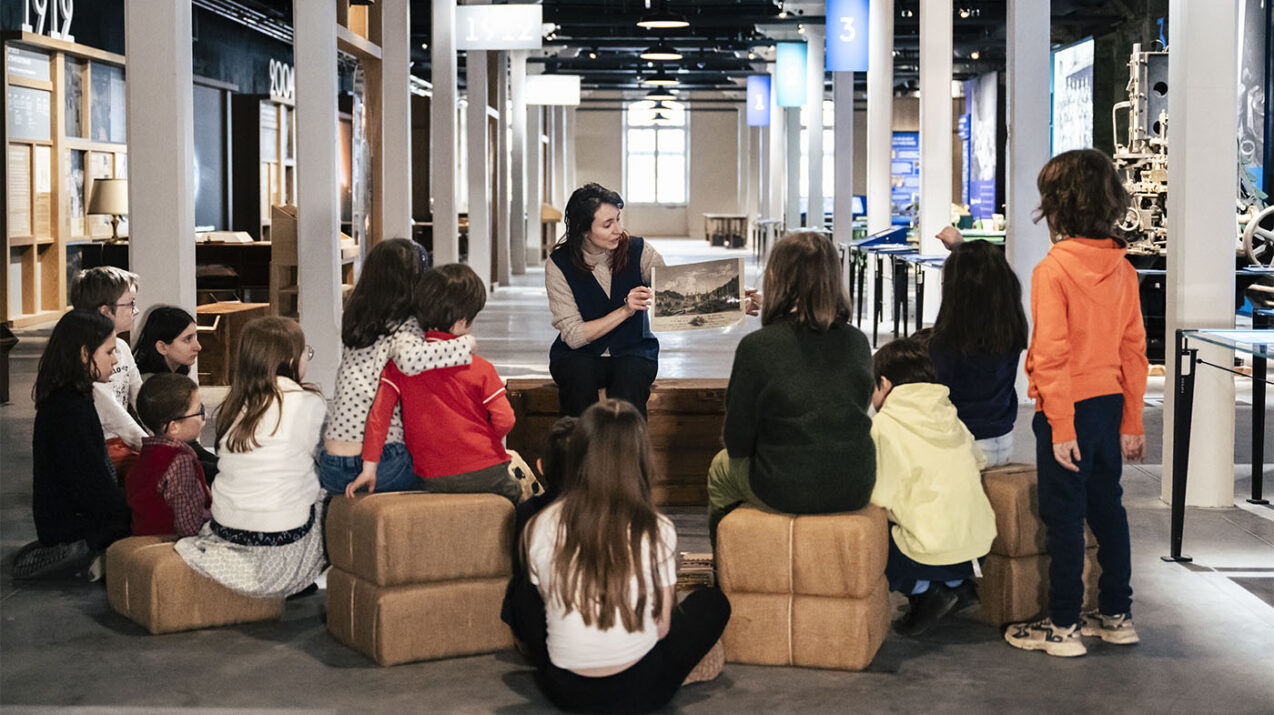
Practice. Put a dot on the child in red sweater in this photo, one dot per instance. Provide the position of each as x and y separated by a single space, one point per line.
166 487
454 419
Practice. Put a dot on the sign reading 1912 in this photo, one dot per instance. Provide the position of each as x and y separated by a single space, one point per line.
499 27
50 11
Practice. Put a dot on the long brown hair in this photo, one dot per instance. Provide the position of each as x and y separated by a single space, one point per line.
608 520
68 357
803 280
269 348
1081 195
382 297
578 219
981 311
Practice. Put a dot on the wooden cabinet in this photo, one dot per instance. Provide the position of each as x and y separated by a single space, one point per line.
264 161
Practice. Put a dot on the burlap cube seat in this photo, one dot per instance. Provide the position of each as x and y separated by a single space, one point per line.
148 582
419 576
804 590
1014 583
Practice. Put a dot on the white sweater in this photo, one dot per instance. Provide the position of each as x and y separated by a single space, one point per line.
272 487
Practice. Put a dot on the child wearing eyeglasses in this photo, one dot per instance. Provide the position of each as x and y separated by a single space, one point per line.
166 488
112 292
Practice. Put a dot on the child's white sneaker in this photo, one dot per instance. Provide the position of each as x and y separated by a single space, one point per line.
1116 629
1043 635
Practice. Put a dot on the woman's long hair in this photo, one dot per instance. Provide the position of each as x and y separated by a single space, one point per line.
803 280
382 297
164 322
981 311
269 348
578 220
68 358
608 521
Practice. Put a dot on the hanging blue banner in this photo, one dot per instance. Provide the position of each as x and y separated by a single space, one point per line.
847 35
789 73
759 100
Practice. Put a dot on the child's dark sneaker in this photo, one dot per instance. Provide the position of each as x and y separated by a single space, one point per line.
966 596
1111 629
1043 635
925 610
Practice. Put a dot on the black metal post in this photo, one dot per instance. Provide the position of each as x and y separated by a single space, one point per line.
879 302
1258 416
900 293
1183 401
920 295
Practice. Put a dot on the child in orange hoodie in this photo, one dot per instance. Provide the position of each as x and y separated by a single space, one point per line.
1087 368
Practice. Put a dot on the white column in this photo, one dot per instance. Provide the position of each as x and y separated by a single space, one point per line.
743 147
517 184
814 76
502 227
161 158
843 134
571 153
1027 116
777 166
935 129
558 144
443 133
317 205
534 182
1201 160
792 193
479 169
395 182
880 112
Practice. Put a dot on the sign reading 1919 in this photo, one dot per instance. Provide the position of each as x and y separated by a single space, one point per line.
499 27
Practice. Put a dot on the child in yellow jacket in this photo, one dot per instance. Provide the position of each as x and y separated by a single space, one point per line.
929 480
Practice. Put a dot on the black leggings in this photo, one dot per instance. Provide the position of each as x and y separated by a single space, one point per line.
697 624
580 375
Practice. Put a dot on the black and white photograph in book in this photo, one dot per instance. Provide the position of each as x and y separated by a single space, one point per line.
698 296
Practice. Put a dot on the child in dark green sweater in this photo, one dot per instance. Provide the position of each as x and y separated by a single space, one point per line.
797 435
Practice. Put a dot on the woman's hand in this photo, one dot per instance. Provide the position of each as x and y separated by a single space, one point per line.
639 298
950 236
366 479
1133 446
1066 454
751 301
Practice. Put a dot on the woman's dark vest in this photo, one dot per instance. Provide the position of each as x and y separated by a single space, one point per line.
631 337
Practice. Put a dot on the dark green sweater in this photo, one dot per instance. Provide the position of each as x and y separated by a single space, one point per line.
797 405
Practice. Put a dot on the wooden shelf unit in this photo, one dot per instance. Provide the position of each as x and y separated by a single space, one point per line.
64 107
264 161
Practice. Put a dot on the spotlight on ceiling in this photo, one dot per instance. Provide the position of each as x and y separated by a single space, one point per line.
662 18
660 79
975 55
592 55
800 29
424 45
661 51
965 13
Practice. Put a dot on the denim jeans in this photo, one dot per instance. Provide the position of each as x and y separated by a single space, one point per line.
393 473
998 450
1094 494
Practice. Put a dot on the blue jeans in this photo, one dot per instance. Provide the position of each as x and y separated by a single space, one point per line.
1094 494
393 474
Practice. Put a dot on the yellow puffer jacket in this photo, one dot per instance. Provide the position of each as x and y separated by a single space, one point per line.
928 477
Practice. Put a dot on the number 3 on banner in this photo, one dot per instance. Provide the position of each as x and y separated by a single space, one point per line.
848 32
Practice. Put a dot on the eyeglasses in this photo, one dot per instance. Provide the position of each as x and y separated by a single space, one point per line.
130 304
200 414
309 352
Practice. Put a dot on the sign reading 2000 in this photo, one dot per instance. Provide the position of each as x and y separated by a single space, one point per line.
499 27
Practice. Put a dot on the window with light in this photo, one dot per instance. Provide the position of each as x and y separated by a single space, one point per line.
656 147
829 157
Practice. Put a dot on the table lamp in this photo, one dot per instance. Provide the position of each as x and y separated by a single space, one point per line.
110 196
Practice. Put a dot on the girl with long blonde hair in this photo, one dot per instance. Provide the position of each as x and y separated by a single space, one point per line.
266 534
604 561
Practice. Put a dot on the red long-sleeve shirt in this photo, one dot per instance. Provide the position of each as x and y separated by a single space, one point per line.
454 419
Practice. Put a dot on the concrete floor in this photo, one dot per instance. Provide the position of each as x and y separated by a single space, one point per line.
1207 628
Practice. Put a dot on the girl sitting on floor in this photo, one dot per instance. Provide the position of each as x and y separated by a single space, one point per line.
604 561
78 506
266 534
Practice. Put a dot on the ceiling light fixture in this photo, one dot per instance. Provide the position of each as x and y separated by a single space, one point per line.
660 79
965 13
800 29
975 55
662 18
424 45
662 52
656 95
592 55
659 117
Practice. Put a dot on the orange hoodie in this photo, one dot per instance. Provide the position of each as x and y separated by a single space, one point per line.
1088 338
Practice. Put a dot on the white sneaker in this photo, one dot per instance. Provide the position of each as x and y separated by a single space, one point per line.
1043 635
1111 629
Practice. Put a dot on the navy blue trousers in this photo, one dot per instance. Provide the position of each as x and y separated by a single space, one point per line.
580 375
903 572
1094 494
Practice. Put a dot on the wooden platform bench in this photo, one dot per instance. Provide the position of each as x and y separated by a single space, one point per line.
685 416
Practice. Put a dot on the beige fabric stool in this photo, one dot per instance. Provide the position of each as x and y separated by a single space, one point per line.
804 590
419 576
1014 584
148 582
